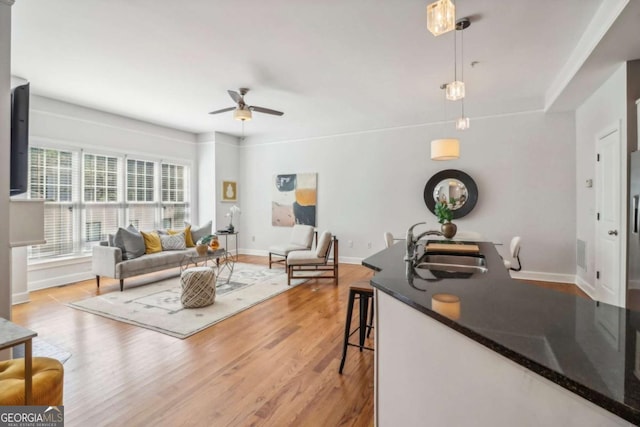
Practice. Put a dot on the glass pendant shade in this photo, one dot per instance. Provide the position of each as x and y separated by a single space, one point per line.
441 17
462 123
445 149
242 114
454 90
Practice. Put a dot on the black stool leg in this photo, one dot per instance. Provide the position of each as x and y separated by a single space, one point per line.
347 328
364 305
370 326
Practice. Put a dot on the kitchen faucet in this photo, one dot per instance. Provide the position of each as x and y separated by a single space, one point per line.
412 241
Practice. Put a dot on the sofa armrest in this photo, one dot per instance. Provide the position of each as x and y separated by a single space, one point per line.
104 260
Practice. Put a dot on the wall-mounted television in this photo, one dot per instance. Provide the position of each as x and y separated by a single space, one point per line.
19 139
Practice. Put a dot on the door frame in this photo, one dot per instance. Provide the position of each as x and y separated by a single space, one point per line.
622 241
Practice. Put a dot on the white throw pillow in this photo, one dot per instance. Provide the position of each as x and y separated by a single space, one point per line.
173 242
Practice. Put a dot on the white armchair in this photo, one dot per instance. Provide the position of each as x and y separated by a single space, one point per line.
301 239
315 260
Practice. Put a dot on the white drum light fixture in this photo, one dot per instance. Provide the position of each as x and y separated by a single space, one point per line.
445 149
441 17
242 114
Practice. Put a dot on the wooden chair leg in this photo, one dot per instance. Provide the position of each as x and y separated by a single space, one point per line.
121 285
269 260
289 273
98 281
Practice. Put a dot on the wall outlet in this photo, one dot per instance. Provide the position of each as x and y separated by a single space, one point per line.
350 243
369 245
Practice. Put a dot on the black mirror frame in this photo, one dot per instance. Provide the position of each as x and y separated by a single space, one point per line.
469 183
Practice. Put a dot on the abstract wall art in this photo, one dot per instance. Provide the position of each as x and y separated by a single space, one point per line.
294 199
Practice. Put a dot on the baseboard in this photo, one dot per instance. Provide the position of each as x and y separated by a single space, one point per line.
256 252
586 287
20 298
544 277
350 260
60 280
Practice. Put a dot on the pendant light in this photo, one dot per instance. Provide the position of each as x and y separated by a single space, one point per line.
462 122
441 17
445 148
455 89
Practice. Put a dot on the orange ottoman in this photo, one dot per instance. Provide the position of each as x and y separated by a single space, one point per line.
48 378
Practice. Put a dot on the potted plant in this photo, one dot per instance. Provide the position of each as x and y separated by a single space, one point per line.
205 242
233 210
445 215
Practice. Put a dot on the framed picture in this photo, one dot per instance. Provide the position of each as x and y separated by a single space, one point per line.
229 191
294 199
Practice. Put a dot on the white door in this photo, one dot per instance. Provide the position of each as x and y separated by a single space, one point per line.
609 287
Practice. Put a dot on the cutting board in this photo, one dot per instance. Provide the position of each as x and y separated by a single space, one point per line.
453 248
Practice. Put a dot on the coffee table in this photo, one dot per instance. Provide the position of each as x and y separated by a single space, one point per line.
223 259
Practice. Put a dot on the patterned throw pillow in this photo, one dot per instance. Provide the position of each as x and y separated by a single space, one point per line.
173 242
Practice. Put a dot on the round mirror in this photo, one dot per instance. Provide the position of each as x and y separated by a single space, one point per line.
456 188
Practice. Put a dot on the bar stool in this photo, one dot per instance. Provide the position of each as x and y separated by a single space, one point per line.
363 292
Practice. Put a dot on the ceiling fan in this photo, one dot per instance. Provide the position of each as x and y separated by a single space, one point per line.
243 111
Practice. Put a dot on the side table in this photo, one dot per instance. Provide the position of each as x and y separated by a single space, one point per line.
12 335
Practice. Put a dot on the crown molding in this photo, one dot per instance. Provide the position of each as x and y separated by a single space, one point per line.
7 2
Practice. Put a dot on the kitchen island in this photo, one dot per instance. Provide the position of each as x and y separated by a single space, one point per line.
498 352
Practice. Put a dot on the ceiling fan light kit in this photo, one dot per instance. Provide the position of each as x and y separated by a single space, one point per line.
242 111
441 17
242 114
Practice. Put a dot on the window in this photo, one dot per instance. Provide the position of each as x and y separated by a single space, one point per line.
142 202
100 197
174 189
88 196
51 177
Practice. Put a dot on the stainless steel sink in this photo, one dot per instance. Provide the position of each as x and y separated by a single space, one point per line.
453 263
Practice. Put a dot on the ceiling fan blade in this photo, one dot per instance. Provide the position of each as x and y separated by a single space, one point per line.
224 110
265 110
235 96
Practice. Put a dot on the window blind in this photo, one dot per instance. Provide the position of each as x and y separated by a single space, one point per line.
89 196
51 176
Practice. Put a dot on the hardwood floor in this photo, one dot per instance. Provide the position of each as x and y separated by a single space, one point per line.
273 364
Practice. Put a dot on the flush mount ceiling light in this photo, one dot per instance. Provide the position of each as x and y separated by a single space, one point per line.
445 149
242 114
441 17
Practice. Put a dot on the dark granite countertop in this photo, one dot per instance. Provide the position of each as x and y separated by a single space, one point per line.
589 348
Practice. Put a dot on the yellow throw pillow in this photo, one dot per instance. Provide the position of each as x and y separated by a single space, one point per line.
151 242
187 236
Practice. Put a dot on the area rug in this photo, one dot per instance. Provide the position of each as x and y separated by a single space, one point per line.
157 306
42 348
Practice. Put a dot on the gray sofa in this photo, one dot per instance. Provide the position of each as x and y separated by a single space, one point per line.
125 254
107 261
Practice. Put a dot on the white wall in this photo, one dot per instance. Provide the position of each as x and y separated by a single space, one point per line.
603 109
5 143
59 123
372 182
227 162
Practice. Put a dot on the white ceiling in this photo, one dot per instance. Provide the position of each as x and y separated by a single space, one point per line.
332 66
